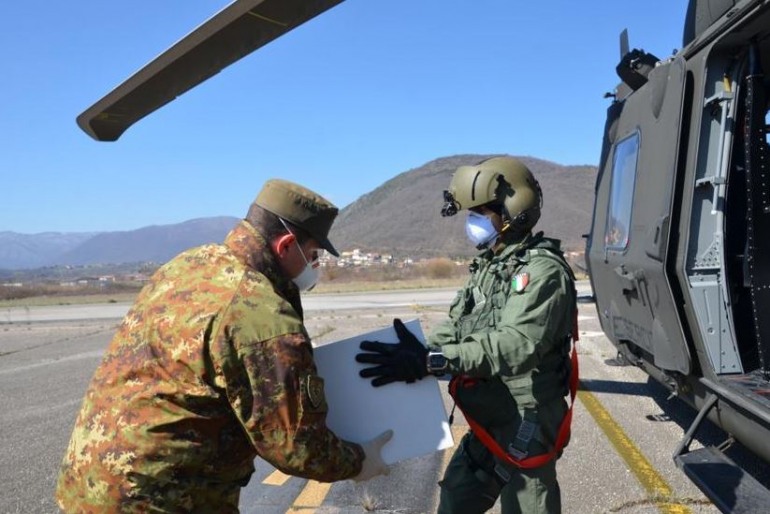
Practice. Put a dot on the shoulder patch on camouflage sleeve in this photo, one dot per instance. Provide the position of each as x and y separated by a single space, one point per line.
314 391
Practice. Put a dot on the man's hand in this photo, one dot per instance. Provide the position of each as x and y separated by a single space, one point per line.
402 362
373 464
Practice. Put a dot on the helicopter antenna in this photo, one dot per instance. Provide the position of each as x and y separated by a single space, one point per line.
234 32
623 43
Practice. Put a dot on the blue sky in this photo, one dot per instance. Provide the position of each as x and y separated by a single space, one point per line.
368 90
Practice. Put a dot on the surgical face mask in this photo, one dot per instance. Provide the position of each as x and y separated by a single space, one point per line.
306 280
480 229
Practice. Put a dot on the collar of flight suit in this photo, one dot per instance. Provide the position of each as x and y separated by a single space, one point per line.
514 246
510 244
519 247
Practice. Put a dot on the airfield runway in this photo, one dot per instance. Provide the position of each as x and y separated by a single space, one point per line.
618 460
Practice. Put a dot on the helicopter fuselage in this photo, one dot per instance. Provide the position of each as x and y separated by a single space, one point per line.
677 253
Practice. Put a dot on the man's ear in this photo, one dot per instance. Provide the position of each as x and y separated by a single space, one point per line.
281 244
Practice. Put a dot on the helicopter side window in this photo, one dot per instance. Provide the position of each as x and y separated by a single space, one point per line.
622 192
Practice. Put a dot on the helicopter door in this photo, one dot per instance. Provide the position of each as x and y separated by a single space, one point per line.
633 212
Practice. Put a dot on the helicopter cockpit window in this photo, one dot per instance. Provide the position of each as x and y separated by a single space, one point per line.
622 192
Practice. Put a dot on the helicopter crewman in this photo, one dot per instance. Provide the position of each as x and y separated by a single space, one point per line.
506 344
212 367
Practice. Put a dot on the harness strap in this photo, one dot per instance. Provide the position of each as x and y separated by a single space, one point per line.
564 428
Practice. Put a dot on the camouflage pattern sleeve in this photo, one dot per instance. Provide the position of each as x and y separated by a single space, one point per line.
287 422
274 389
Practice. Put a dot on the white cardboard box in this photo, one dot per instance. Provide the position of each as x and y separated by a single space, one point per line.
359 412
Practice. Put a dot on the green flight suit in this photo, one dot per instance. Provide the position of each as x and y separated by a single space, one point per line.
509 327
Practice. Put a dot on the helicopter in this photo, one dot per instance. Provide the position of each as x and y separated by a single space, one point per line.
676 254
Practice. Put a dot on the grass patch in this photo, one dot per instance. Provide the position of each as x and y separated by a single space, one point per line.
75 299
387 285
45 300
432 274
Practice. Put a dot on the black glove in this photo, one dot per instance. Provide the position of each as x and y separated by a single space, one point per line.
405 361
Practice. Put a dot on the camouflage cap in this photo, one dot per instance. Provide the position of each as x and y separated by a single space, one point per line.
308 210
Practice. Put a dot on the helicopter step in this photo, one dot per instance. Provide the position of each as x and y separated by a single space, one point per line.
729 487
726 484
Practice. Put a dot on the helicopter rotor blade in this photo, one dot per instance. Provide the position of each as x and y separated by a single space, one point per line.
234 32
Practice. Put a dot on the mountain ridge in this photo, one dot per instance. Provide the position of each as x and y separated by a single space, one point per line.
406 209
400 217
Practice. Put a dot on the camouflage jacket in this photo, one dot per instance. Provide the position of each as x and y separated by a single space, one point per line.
211 367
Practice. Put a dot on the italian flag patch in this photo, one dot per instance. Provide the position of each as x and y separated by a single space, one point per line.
520 282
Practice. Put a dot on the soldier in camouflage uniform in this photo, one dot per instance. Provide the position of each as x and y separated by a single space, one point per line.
211 367
508 335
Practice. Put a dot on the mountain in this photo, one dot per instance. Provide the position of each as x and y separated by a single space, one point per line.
157 243
19 251
402 216
147 244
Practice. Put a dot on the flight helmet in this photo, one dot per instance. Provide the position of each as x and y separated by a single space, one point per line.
499 181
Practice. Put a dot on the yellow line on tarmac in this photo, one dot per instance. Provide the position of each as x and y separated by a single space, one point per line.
655 485
312 496
276 478
314 493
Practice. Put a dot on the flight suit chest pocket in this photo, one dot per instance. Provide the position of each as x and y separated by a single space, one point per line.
473 300
481 317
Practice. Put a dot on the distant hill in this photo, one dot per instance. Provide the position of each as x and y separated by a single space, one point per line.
148 244
402 216
155 243
26 251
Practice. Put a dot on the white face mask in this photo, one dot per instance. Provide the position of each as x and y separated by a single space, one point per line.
307 280
480 229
